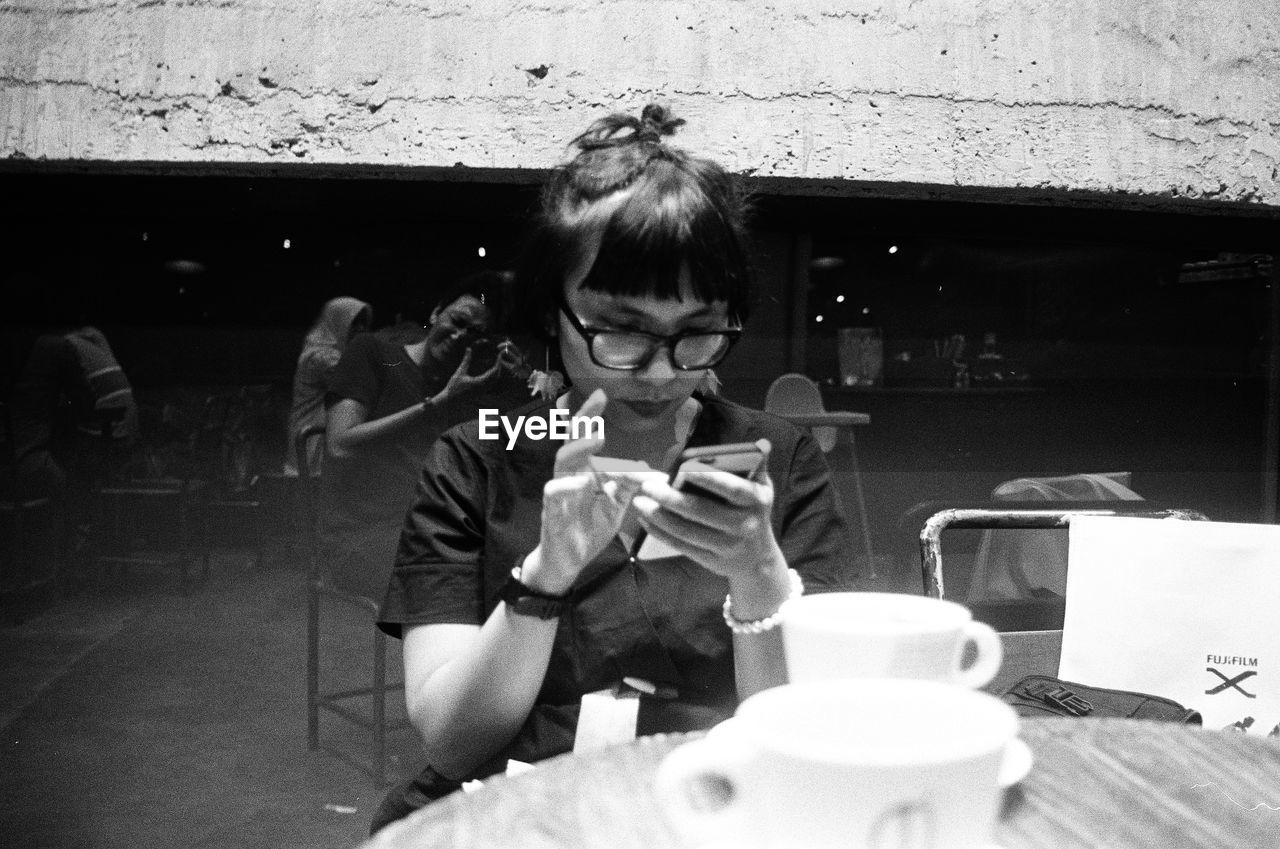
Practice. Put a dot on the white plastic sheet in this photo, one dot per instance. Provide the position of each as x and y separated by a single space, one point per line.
1182 609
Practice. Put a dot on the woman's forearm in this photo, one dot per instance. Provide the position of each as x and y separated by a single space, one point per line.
349 432
476 702
758 659
758 662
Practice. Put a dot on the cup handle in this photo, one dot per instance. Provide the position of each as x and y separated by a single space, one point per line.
698 787
990 654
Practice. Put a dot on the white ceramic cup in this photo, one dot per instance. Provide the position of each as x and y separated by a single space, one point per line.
858 764
886 635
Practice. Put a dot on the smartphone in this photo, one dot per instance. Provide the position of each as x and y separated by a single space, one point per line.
740 458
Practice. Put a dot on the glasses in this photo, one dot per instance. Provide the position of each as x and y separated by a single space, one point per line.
631 350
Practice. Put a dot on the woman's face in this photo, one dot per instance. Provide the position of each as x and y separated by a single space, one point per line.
454 327
646 399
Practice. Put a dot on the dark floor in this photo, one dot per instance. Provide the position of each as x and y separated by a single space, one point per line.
137 715
142 716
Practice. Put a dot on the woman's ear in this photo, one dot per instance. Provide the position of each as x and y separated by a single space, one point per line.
551 324
435 315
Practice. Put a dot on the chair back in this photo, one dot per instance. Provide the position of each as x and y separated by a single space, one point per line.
223 446
1019 615
1020 564
797 394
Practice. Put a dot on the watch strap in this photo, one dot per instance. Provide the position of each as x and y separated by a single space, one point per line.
526 601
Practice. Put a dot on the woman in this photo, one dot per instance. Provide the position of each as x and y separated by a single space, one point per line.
639 272
339 320
386 403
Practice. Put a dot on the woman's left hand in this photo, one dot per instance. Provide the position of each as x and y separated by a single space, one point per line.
733 538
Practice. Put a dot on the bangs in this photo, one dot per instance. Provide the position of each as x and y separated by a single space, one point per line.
663 224
626 216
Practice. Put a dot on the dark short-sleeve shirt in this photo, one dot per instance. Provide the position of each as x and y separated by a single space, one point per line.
477 512
377 482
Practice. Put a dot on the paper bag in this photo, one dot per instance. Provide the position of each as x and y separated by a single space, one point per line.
1182 609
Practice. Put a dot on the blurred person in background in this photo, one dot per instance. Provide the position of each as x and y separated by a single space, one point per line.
386 404
72 410
340 319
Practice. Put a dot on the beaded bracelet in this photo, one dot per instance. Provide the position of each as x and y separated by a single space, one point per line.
759 626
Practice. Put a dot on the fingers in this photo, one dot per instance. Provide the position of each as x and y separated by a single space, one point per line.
698 547
491 372
574 457
722 539
464 366
668 524
594 405
711 514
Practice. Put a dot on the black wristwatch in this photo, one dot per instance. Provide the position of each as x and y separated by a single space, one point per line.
525 601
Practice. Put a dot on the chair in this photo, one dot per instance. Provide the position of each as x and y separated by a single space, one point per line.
140 520
1021 564
796 398
319 588
1029 614
22 513
225 451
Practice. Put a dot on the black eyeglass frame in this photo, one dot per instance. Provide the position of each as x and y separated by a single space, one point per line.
668 342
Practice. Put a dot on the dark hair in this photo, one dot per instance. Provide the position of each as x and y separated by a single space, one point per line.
487 287
651 208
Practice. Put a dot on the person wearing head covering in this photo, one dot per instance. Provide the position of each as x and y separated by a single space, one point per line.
339 320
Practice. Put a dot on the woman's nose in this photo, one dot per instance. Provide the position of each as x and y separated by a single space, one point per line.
659 368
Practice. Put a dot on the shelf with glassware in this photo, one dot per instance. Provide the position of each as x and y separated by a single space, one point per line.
830 386
938 366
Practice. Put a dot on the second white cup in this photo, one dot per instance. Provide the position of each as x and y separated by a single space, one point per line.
886 635
848 764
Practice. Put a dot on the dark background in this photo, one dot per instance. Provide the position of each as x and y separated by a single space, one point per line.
1146 330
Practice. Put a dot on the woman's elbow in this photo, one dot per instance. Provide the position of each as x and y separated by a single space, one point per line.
453 749
339 445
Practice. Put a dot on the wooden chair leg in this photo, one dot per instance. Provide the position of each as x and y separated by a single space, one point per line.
379 707
313 669
862 505
184 551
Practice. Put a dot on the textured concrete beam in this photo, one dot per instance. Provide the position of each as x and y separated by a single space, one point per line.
1167 98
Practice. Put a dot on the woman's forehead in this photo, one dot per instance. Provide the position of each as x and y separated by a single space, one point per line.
467 306
688 306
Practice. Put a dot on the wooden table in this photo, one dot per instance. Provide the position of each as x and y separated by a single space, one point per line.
1114 783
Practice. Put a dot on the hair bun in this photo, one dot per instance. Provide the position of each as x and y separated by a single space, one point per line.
657 121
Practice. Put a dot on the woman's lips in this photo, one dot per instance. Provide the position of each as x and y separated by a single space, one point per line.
645 409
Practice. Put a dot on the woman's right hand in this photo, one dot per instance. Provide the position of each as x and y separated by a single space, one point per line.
581 511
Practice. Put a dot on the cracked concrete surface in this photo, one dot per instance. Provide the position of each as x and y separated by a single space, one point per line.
1172 98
